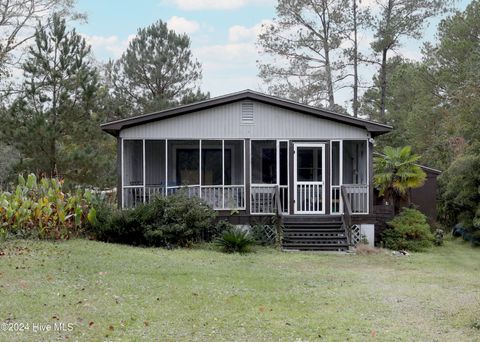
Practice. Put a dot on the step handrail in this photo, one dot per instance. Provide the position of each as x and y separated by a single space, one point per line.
347 214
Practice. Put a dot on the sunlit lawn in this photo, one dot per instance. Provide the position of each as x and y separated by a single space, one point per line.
114 292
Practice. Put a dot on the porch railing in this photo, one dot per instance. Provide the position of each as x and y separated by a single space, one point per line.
264 197
357 196
219 197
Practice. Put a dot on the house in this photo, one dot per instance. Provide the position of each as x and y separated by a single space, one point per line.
250 155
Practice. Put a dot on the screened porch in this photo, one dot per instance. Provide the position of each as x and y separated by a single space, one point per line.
249 175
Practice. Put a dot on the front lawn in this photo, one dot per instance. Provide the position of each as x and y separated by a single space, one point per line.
114 292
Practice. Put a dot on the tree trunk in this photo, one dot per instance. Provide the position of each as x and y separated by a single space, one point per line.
328 66
355 60
383 84
328 69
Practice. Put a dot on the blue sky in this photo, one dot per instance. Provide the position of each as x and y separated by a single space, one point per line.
223 34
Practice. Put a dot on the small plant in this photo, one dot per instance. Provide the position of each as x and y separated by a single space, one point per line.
235 240
363 239
409 231
438 235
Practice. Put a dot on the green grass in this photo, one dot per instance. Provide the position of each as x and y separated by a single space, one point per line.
113 292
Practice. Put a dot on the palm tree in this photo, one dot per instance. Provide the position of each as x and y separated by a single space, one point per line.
396 173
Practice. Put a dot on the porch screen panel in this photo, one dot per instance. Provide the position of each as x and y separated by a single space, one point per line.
264 176
234 162
133 163
264 162
132 173
283 175
184 166
355 174
234 174
335 177
355 162
154 168
211 162
212 168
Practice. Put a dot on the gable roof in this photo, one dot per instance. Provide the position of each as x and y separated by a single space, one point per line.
114 127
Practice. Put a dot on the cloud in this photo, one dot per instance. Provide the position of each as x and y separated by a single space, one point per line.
105 47
182 25
194 5
240 33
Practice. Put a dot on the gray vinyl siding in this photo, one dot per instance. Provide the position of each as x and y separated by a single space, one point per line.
225 121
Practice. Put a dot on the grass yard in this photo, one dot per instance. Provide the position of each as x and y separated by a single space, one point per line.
113 292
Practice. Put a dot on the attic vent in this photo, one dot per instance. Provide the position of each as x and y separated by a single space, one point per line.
247 113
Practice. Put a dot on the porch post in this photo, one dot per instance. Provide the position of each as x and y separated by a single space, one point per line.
370 176
119 173
248 167
291 185
327 178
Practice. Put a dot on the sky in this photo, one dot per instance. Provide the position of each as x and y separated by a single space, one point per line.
222 32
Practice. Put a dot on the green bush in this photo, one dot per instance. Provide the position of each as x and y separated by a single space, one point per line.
460 194
235 240
221 227
42 210
173 220
409 230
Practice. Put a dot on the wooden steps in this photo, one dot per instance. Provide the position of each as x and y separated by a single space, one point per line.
314 233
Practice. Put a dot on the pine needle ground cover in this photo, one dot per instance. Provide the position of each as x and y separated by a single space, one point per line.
102 291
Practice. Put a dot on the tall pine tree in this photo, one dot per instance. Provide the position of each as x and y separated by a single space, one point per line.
54 124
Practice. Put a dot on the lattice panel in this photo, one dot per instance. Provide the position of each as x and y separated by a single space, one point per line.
270 233
356 234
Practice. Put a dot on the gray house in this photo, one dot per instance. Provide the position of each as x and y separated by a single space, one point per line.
249 155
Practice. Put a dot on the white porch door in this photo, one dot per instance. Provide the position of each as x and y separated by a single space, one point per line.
309 178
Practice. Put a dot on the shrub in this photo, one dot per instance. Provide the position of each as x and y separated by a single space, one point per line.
221 227
459 203
409 230
172 220
41 209
235 240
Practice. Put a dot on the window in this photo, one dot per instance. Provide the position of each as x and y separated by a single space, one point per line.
310 164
